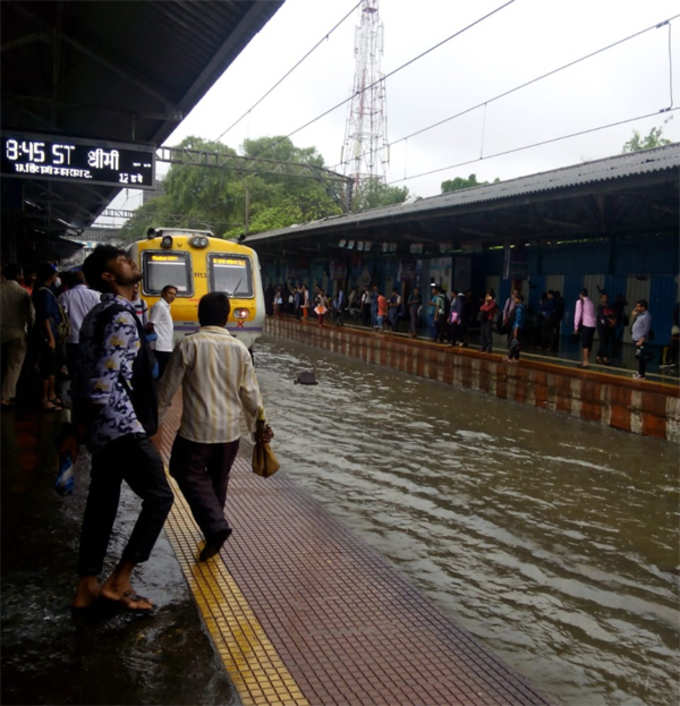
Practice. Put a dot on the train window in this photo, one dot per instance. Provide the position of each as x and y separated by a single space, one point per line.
231 274
163 267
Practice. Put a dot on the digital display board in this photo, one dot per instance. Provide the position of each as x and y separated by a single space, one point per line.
77 160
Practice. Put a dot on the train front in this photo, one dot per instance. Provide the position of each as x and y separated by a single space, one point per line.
197 263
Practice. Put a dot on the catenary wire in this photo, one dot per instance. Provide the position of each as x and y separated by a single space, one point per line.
670 64
536 144
391 73
289 72
402 66
525 84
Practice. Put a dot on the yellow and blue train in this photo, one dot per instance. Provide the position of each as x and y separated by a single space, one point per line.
197 263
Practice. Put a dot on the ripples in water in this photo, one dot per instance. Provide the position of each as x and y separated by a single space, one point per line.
552 540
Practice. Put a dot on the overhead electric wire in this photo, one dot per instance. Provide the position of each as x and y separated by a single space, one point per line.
289 72
391 73
547 74
402 66
670 63
536 144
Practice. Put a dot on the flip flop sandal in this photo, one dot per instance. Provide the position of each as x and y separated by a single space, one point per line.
51 407
129 597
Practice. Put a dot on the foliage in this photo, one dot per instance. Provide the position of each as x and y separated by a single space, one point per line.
277 195
373 193
460 183
653 139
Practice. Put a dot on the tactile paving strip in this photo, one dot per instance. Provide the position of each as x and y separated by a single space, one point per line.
347 626
255 668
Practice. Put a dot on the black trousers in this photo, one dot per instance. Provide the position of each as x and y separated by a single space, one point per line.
202 473
606 334
134 459
163 357
486 337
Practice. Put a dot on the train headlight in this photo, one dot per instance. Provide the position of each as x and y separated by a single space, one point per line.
240 314
198 241
166 242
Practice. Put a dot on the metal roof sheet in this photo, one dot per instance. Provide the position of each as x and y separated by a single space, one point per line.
609 168
120 71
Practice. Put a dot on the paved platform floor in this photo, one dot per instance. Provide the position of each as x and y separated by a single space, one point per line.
47 656
302 612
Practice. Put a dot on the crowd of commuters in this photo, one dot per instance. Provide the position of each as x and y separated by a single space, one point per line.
93 326
450 317
99 336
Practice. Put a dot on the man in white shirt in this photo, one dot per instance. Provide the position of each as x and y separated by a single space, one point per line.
76 301
16 316
163 327
218 388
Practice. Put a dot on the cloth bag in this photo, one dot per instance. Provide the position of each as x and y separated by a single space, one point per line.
265 463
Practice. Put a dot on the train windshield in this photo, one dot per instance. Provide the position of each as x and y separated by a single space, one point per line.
161 268
231 274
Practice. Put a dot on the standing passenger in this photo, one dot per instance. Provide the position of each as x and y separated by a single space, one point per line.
381 314
488 310
606 321
305 302
438 314
48 321
516 327
16 317
210 365
394 306
584 323
76 301
641 329
117 403
339 306
414 303
161 318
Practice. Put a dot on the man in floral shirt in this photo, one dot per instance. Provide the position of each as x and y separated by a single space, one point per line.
109 376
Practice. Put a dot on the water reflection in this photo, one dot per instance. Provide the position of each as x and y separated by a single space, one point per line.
552 540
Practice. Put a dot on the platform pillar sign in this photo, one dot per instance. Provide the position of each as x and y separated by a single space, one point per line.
515 262
74 159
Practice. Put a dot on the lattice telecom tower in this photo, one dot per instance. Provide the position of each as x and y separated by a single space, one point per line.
365 152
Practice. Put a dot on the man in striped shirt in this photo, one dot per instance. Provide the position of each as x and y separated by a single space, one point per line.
218 388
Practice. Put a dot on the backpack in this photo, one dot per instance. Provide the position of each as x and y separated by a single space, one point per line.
142 391
64 323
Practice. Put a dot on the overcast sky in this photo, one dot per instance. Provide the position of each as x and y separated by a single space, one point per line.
520 42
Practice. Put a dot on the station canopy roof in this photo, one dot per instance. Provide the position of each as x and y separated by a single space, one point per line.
622 196
123 72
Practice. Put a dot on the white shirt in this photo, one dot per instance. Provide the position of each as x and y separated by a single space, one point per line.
162 325
77 301
218 386
16 310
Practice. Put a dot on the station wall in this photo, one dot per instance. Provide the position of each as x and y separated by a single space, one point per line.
641 268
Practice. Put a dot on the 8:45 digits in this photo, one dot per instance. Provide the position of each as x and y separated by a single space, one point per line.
34 151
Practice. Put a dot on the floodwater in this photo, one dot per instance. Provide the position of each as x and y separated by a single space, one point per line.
553 541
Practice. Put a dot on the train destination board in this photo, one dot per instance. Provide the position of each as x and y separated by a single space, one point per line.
74 159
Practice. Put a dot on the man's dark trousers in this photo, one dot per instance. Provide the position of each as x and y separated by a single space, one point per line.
132 458
202 473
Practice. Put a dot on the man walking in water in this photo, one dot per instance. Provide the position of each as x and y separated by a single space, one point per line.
218 387
115 399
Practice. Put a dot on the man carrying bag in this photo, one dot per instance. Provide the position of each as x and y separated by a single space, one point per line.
219 386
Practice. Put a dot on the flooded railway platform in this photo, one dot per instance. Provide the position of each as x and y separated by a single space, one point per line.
415 531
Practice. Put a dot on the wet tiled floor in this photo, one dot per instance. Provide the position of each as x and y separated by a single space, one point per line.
303 612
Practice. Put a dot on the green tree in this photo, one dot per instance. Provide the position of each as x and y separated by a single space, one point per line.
274 190
653 139
373 193
460 183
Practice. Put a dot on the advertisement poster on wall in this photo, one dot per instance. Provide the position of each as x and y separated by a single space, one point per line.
441 270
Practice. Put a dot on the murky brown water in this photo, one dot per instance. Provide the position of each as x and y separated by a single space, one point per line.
555 542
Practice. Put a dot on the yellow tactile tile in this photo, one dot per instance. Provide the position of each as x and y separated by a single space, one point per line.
255 668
